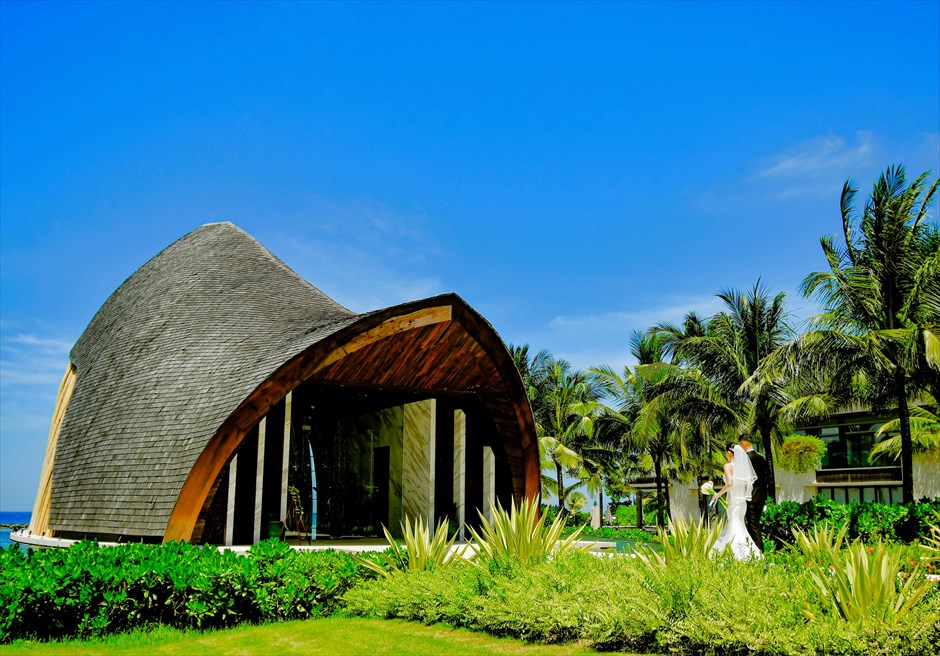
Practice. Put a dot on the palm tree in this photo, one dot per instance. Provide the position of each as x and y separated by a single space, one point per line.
564 407
881 301
731 352
568 409
925 434
629 417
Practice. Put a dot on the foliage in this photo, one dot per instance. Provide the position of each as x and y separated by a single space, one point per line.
88 590
617 603
822 544
564 405
422 550
519 535
866 521
734 352
878 338
685 539
625 515
862 583
571 520
925 434
932 542
801 453
617 533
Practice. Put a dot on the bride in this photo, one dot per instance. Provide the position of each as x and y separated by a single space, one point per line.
739 479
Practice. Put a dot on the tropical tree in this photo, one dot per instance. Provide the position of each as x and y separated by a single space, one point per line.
925 434
732 352
568 409
564 405
880 323
628 417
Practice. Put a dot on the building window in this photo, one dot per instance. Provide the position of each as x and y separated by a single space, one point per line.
877 493
848 444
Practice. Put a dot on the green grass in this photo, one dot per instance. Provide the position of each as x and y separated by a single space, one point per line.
331 636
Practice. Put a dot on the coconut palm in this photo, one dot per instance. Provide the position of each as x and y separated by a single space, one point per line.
881 301
564 405
925 433
730 353
568 408
631 419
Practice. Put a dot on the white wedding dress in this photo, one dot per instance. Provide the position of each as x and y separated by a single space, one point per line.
735 533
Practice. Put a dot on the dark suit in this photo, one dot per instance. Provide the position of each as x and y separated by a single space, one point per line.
758 498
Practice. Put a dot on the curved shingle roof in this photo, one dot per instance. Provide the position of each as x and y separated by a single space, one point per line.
161 365
190 344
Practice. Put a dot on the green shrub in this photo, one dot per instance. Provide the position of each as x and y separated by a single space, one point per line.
690 606
862 583
625 515
611 533
866 520
88 590
801 453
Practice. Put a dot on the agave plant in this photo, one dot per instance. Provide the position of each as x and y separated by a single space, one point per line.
932 543
684 539
521 535
421 552
822 544
863 583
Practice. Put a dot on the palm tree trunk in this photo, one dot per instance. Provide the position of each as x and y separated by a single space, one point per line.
767 440
561 488
600 503
907 446
667 498
639 509
658 467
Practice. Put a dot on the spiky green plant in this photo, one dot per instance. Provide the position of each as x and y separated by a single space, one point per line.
822 544
421 552
862 583
684 539
932 543
520 535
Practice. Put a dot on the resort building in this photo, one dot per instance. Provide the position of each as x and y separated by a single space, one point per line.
217 397
844 474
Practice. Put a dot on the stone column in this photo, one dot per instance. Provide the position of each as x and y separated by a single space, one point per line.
259 481
460 469
285 460
230 507
683 500
418 466
926 471
795 487
489 482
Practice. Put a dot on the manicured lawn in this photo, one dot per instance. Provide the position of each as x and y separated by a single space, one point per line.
332 636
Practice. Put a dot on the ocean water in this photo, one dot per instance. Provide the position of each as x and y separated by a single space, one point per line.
11 518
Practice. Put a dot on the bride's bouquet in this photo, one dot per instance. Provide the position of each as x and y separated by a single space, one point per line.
708 489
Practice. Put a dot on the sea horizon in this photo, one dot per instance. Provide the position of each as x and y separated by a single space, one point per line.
12 517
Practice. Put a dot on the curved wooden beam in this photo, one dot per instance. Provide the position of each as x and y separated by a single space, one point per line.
369 330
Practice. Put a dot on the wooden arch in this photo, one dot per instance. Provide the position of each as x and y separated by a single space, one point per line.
437 345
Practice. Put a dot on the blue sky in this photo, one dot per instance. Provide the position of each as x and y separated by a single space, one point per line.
574 171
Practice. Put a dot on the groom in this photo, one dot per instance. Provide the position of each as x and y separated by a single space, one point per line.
758 493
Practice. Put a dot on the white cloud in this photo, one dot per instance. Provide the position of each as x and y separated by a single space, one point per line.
30 361
604 338
45 344
819 165
363 254
822 155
